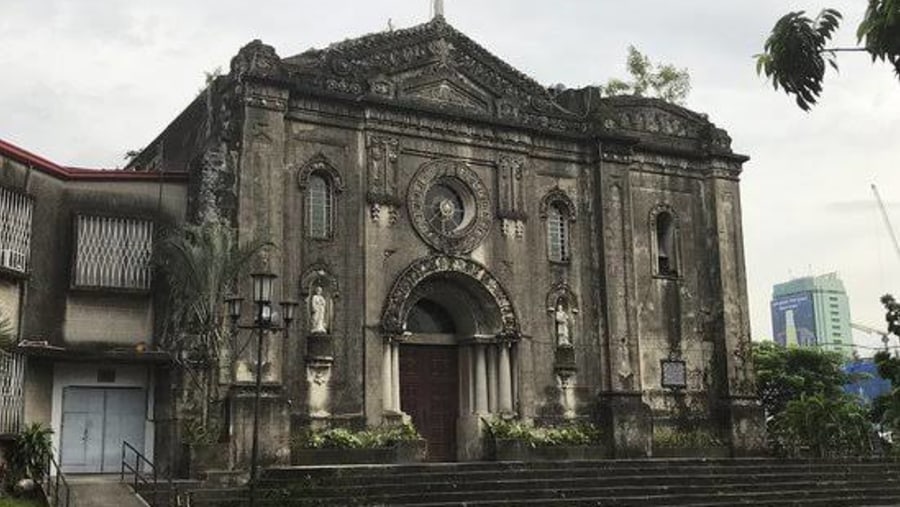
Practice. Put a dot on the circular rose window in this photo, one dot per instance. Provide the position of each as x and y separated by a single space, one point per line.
449 206
445 209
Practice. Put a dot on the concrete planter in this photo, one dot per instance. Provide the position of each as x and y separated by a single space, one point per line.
517 450
413 451
692 452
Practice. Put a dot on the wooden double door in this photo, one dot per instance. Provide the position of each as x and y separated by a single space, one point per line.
429 394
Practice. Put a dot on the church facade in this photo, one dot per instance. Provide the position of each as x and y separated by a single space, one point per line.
468 244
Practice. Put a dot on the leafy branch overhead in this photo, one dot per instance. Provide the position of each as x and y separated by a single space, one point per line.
795 54
664 81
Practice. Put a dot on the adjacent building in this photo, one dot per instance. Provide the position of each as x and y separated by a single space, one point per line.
467 244
812 311
77 286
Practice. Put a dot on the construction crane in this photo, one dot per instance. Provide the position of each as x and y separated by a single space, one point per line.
871 330
887 221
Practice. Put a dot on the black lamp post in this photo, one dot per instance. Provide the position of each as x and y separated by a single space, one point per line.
262 322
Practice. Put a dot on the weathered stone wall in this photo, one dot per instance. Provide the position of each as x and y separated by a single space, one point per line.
364 115
374 242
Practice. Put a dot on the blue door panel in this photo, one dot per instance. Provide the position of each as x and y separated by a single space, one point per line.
82 430
124 422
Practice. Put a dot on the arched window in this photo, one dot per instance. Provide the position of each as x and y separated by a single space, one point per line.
557 233
666 244
319 207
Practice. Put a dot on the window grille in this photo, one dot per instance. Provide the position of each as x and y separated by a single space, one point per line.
15 230
113 252
12 369
557 234
318 207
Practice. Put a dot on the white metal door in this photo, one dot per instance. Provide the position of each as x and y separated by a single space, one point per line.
95 421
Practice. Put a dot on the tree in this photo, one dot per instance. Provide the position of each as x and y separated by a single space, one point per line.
807 410
647 79
886 408
784 374
821 426
795 54
201 264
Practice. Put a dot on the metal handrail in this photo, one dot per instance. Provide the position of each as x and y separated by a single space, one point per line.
52 483
139 477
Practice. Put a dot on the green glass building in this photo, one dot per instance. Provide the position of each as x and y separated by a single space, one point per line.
812 311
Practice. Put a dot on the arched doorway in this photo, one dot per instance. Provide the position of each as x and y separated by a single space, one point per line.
429 377
449 353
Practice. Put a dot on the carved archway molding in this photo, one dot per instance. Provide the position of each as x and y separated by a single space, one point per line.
558 196
397 303
322 165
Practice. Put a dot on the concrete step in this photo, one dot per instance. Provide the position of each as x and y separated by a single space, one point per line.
639 465
633 495
639 483
345 477
516 483
605 476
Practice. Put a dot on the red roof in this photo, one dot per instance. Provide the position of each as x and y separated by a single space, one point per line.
79 173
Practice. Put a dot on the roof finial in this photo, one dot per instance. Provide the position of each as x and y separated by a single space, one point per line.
438 8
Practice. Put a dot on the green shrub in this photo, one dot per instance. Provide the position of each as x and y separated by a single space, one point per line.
821 426
343 438
544 436
30 453
697 438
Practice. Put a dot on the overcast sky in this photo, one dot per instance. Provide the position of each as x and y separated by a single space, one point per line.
83 82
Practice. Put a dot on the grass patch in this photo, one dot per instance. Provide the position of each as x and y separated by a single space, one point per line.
19 502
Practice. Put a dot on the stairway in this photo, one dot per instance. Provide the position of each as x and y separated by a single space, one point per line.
652 482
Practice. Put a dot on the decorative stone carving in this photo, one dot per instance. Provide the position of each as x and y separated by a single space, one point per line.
562 306
318 308
449 93
566 382
512 229
561 316
320 164
477 216
510 195
258 60
657 121
383 154
319 290
395 308
318 377
371 63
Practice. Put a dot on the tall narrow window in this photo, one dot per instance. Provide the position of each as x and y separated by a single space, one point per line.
666 245
318 207
557 233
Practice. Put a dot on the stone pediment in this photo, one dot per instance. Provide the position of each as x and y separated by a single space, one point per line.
434 65
654 117
445 92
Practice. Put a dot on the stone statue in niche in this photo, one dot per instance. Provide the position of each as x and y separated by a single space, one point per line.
318 309
561 316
